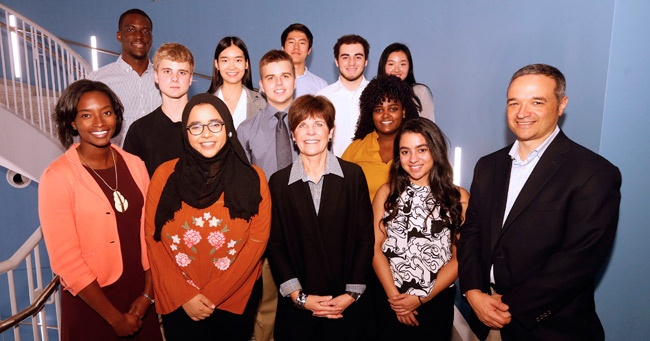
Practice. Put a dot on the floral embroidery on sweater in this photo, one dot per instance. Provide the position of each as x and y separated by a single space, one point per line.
195 233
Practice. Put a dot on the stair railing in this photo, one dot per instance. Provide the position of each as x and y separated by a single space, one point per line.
38 295
35 68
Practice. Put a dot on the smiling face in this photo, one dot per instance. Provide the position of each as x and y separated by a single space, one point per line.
208 143
232 65
312 136
278 82
173 78
135 36
415 157
95 121
297 46
351 61
397 64
388 116
533 109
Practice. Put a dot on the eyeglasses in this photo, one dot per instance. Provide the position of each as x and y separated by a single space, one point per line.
214 126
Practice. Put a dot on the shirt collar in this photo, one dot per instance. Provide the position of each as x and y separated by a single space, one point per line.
332 166
269 111
535 153
362 85
125 66
304 73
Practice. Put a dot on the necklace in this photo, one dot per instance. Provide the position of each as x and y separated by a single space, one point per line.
121 205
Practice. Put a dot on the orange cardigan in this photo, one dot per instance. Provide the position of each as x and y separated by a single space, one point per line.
79 223
204 251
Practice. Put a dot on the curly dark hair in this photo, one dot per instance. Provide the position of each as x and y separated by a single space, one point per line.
65 111
379 89
443 190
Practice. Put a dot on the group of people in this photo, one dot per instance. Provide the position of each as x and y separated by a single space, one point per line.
311 212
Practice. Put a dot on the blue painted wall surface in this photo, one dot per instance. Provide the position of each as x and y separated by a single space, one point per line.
465 51
623 297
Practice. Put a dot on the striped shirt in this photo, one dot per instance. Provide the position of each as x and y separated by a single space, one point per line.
138 94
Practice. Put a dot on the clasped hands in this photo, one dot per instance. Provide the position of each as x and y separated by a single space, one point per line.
130 322
326 306
404 306
489 308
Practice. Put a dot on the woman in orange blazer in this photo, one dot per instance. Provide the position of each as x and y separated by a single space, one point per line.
91 207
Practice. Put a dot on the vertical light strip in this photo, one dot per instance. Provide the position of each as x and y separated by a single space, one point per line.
457 153
93 44
14 46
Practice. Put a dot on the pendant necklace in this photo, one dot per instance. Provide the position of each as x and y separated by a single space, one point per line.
121 205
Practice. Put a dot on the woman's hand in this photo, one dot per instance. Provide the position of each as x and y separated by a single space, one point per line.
198 307
126 324
316 304
323 306
140 306
408 319
341 302
403 304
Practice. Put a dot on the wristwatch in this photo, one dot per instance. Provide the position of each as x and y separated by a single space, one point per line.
354 295
300 300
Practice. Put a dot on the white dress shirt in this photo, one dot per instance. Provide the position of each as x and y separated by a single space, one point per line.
346 103
519 174
139 94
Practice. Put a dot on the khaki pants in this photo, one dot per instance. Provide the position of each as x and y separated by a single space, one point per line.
265 318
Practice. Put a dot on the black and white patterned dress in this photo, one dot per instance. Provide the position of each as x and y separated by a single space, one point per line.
418 243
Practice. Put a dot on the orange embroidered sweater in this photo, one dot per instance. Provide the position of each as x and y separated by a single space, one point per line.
204 251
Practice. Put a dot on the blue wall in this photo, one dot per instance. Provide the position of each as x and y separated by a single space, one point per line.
623 297
466 52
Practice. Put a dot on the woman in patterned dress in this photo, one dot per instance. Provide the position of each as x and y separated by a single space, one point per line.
208 216
417 215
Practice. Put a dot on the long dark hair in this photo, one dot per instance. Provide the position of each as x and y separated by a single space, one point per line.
217 80
386 87
394 47
443 190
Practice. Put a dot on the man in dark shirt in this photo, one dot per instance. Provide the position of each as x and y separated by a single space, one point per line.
156 137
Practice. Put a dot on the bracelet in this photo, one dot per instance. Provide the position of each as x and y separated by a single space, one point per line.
300 300
149 298
420 299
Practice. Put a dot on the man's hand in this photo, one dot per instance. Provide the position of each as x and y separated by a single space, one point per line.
198 307
489 309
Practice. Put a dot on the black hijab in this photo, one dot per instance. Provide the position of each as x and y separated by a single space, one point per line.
199 181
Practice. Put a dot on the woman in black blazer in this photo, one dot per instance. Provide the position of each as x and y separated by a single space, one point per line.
321 243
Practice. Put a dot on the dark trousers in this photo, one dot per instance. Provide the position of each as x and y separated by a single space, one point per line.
435 317
221 325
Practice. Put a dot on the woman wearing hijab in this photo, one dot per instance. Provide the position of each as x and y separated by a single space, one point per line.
208 216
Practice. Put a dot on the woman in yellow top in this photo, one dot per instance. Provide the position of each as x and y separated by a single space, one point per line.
385 104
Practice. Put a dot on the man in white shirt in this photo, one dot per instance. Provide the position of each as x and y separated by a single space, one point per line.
351 57
131 77
297 41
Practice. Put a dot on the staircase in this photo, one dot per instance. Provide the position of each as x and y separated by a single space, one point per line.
35 67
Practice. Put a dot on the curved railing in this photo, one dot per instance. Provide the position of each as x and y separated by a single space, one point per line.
38 295
35 67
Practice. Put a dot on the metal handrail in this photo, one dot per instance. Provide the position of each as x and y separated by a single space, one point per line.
33 308
70 42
